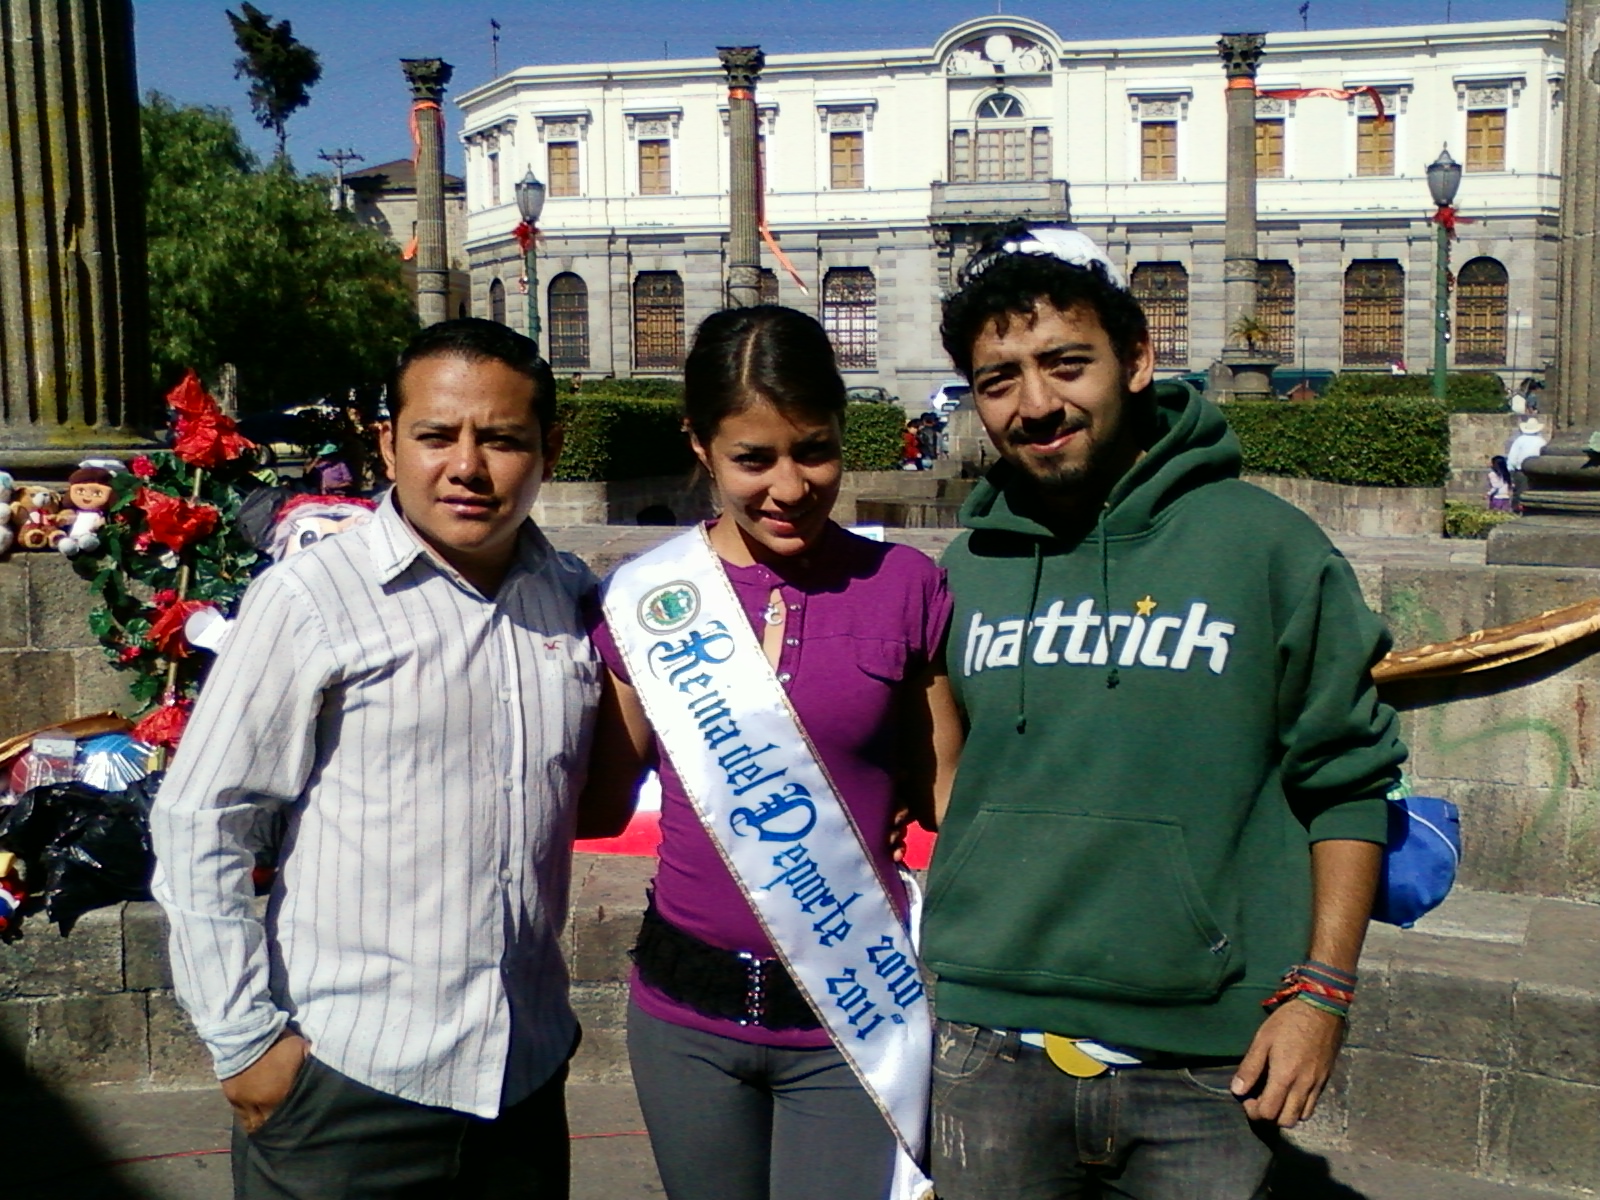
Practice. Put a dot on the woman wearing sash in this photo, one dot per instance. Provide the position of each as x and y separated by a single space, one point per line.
744 1091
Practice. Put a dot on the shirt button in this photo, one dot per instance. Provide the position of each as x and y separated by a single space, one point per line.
794 608
505 875
784 677
791 641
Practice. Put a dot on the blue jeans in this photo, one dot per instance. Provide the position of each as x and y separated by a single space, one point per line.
1009 1125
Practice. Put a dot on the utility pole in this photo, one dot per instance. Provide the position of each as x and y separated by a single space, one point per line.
338 158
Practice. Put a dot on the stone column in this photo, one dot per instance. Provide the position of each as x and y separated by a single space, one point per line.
1251 369
1562 497
74 373
428 77
743 66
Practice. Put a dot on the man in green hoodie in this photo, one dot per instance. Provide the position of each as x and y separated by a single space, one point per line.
1154 876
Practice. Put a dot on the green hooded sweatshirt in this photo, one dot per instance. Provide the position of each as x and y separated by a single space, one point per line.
1126 855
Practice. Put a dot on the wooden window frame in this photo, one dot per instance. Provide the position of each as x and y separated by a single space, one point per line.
853 177
657 321
850 316
566 180
1374 328
1375 146
660 173
568 310
1486 147
1164 158
1270 148
1162 289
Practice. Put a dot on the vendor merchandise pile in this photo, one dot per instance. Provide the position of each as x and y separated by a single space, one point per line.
74 828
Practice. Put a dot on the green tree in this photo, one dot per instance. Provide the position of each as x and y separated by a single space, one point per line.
282 69
252 266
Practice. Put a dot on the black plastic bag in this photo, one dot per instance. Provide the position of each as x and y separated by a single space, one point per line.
90 848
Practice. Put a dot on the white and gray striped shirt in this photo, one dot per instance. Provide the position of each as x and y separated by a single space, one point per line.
426 746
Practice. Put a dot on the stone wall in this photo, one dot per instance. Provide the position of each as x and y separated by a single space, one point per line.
1475 438
1375 512
51 666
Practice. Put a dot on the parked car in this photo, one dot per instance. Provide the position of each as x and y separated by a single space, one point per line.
870 395
947 397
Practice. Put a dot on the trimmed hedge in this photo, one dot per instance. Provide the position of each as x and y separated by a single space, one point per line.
1389 443
872 437
616 437
642 387
1465 391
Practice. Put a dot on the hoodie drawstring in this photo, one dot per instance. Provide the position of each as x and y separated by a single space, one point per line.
1022 669
1113 677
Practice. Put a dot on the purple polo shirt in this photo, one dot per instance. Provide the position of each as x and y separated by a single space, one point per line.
863 618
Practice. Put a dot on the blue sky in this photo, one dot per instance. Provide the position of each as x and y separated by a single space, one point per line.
186 49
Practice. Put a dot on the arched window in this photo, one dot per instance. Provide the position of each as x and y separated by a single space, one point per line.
569 323
1275 306
850 315
1374 312
497 301
1001 104
1482 289
657 321
1162 290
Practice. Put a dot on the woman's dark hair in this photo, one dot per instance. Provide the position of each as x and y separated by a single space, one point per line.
766 352
478 340
995 284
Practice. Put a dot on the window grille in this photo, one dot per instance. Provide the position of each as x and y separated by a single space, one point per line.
569 323
1482 300
1000 105
1374 313
1275 306
657 321
1159 146
850 315
1162 290
564 169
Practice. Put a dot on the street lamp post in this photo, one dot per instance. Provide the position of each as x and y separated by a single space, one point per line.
530 203
1444 177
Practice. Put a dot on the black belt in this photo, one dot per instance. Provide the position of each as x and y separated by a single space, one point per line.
734 985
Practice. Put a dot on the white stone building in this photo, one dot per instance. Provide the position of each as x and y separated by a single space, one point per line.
880 165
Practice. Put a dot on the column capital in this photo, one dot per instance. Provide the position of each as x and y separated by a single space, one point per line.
1241 53
742 63
428 77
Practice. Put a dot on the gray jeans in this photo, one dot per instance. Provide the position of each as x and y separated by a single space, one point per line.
733 1121
1009 1125
335 1139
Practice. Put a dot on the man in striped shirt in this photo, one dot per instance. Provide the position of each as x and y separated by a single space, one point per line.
416 698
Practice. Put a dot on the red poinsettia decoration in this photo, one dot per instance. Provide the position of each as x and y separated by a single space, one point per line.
167 634
164 727
173 522
143 467
202 435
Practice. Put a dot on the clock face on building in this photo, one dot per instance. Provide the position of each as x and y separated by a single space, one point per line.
997 48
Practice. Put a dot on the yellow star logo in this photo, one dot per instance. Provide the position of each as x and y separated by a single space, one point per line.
1146 606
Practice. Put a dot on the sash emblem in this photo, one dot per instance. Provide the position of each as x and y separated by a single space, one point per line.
669 607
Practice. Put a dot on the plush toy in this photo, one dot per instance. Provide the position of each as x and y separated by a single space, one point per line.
8 535
89 494
34 513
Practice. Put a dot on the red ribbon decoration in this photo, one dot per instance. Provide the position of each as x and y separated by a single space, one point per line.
1449 218
1324 92
739 93
524 233
410 251
167 633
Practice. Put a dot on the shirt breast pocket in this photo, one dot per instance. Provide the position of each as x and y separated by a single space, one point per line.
882 659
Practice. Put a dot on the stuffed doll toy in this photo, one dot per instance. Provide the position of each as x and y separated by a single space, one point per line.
35 516
8 535
89 494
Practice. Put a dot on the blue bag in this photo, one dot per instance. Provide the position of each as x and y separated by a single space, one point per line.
1419 864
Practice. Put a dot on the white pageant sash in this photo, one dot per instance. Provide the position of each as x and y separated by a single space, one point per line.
773 813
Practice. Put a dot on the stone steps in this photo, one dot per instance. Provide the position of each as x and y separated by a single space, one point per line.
1475 1044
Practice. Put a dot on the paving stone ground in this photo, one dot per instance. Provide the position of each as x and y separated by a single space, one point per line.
59 1148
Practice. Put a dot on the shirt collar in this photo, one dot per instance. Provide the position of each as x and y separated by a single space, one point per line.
395 546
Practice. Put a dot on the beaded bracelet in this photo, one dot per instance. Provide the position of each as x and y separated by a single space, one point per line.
1319 985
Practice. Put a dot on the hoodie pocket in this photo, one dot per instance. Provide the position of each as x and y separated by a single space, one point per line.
1081 904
